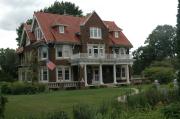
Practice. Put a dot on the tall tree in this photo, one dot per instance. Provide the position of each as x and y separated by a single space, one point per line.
56 8
178 42
159 45
8 63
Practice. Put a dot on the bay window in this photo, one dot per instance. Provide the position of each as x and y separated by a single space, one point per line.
96 50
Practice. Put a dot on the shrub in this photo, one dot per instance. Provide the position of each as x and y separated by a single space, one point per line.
162 74
3 101
84 111
56 115
172 111
22 88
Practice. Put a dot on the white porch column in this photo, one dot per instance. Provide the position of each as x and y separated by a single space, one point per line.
85 75
127 74
114 74
100 75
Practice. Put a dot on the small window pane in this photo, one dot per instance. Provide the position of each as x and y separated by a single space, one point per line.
61 29
116 34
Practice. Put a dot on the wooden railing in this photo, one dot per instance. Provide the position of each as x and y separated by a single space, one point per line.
70 84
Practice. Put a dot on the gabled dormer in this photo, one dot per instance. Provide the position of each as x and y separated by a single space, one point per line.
60 28
36 29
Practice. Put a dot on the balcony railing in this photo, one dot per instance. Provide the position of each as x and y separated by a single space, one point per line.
98 56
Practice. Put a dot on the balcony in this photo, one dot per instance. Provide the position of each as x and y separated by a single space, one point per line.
104 58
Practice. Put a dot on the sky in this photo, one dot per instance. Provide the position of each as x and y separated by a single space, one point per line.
137 18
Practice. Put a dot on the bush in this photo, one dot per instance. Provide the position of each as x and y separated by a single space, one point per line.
83 111
172 111
162 74
3 101
56 115
22 88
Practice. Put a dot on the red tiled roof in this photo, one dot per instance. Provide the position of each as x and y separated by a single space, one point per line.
112 26
48 20
122 40
30 35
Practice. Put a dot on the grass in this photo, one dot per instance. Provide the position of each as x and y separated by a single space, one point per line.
19 106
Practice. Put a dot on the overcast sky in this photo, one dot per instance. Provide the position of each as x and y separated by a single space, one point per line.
137 18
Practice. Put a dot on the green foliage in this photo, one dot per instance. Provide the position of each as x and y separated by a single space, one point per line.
3 101
159 45
84 111
17 88
162 74
178 42
63 8
172 111
8 63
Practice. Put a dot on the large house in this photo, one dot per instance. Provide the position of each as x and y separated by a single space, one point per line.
71 49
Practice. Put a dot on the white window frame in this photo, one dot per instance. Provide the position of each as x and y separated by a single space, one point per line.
61 29
95 33
38 33
40 53
41 74
99 47
63 68
116 34
64 49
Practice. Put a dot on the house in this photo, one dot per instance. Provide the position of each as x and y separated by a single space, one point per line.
80 49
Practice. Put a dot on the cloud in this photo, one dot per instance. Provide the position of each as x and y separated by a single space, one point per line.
16 12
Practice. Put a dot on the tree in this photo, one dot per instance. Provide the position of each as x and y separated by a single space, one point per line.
56 8
9 64
159 45
178 42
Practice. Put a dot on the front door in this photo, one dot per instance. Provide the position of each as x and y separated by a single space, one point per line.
96 75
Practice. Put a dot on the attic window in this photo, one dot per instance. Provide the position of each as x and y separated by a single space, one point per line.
116 34
61 29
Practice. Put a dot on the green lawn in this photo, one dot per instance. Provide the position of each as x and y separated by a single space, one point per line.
25 105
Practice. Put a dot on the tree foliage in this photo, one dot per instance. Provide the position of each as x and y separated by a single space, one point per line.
178 41
8 63
159 45
56 8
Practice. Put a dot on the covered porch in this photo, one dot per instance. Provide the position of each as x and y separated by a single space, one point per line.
102 74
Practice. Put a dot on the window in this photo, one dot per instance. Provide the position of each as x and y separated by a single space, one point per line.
43 53
95 33
44 74
38 33
122 51
95 50
61 29
123 74
63 73
66 73
116 34
90 52
63 51
59 51
59 74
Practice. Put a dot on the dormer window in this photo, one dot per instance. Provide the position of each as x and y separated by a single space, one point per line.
95 33
116 34
38 33
61 29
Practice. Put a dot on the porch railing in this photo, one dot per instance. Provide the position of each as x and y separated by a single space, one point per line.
70 84
101 56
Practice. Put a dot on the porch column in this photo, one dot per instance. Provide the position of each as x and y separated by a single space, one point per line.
100 77
85 75
114 74
127 74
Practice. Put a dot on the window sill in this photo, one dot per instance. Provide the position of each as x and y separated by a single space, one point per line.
96 38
